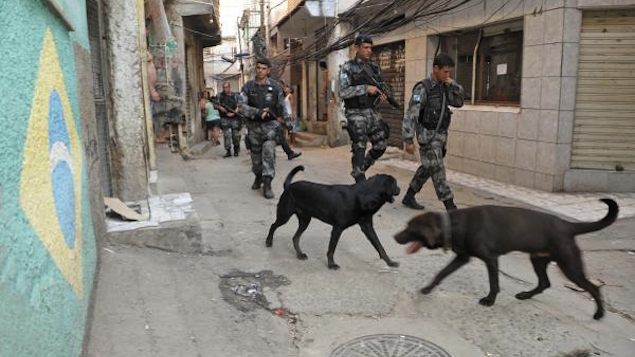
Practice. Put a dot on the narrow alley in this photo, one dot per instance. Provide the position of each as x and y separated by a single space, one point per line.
137 180
152 302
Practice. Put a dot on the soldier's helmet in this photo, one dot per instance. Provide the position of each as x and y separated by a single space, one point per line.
363 38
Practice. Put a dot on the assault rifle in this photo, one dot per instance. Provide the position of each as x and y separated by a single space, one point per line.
217 103
383 89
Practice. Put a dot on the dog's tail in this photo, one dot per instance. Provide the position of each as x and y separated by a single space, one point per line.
295 170
611 216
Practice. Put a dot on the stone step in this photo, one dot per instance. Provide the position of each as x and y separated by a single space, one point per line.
170 224
308 139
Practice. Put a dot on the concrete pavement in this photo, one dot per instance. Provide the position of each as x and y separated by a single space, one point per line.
242 299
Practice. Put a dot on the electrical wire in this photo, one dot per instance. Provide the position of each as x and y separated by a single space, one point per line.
378 21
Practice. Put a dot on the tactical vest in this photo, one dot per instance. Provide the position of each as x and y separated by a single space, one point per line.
358 77
429 114
228 101
264 96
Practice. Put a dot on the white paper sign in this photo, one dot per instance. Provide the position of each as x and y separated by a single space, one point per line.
501 69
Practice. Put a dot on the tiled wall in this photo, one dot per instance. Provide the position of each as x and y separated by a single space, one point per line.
527 145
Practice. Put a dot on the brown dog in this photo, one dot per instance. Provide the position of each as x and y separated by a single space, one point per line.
487 232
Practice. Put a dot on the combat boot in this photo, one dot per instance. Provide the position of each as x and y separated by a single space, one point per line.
410 201
266 188
359 177
293 155
257 182
236 150
449 205
357 162
228 153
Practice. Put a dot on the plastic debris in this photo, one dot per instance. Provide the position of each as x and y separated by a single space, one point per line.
280 312
252 290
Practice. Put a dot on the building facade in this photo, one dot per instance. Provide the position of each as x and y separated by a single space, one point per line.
549 87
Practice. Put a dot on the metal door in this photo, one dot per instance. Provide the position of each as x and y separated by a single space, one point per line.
604 128
392 60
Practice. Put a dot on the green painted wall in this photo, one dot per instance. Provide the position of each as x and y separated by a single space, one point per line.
47 242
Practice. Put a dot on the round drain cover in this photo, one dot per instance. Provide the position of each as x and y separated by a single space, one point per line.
389 346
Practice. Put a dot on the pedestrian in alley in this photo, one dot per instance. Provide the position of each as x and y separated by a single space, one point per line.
361 96
230 122
287 132
262 103
428 117
212 122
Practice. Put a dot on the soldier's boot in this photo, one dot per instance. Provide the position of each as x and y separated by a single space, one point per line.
449 205
358 165
257 182
236 150
266 188
293 155
359 177
228 153
410 201
372 156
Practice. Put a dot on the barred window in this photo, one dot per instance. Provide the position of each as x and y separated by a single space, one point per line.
499 52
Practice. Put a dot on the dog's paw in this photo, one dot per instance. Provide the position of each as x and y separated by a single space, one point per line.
393 263
524 295
303 256
487 301
427 290
598 315
334 266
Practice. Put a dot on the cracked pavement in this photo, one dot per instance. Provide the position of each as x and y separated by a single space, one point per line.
151 302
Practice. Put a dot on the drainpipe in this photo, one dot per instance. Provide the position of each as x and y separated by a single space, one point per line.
159 21
152 162
478 42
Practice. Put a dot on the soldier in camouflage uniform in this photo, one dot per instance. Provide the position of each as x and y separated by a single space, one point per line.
262 103
429 118
360 97
229 122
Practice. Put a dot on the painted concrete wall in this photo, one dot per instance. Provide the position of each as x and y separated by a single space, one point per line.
129 153
47 239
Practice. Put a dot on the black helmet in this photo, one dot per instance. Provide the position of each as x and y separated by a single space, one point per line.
363 38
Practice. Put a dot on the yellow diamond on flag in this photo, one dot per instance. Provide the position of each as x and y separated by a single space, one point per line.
51 184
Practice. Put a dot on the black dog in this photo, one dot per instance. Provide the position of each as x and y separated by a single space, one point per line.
341 206
487 232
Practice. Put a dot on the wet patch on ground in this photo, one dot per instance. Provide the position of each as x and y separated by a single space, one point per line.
245 290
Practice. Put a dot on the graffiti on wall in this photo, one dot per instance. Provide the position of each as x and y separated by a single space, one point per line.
51 181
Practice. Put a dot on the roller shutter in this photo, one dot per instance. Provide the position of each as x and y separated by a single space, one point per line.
392 60
604 127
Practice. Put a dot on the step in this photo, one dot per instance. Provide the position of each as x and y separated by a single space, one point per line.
170 223
308 139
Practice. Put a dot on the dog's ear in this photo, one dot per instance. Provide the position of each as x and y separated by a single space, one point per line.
368 201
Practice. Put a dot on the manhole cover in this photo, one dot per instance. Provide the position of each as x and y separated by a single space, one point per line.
389 346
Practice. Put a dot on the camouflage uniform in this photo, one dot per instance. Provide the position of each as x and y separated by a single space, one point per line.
262 134
423 117
231 125
364 123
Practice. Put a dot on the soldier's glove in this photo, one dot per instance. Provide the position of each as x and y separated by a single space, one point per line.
266 115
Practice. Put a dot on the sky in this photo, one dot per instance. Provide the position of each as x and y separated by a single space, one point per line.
230 10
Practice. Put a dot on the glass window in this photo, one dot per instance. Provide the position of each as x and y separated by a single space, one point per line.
498 61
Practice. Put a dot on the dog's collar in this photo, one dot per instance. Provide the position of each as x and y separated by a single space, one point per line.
446 229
